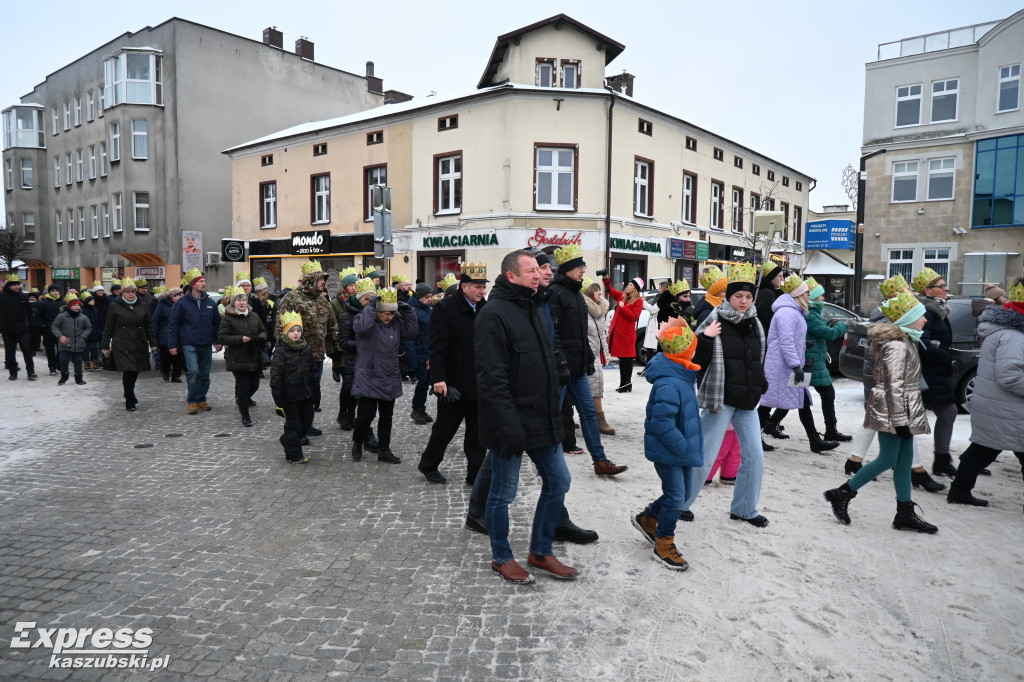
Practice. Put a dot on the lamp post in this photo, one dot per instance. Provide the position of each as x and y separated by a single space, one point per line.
858 258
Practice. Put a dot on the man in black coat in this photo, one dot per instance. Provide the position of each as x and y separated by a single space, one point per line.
517 387
15 318
47 311
451 364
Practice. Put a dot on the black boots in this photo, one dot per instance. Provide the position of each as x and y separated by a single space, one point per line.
344 421
243 409
420 416
64 376
840 498
818 445
832 434
921 479
852 467
765 447
78 379
943 465
774 429
907 519
959 496
385 455
357 451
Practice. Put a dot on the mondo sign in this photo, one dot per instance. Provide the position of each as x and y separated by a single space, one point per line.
233 250
307 243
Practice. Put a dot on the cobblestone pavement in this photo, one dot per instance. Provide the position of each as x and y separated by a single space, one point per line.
246 567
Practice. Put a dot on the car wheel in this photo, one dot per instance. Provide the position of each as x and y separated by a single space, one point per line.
966 389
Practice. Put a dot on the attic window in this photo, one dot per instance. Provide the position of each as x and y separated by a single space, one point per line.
719 154
646 127
376 137
448 122
320 149
267 160
785 181
570 74
771 176
737 161
755 169
799 186
546 73
691 143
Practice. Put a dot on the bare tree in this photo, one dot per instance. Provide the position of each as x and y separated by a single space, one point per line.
851 182
12 246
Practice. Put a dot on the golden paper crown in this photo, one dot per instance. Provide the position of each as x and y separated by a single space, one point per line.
311 267
399 279
710 277
71 297
159 290
96 283
924 278
388 295
812 283
240 275
897 307
115 282
742 272
893 286
190 277
1016 293
587 283
678 287
34 290
567 253
365 285
12 277
475 270
369 270
792 283
290 319
141 282
344 273
257 281
674 336
86 295
449 280
229 293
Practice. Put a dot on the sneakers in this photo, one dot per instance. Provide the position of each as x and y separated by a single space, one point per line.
512 572
646 523
53 371
552 566
606 467
420 416
385 455
573 451
193 408
758 521
665 552
204 406
301 460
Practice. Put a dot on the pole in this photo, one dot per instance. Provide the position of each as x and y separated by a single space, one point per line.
858 258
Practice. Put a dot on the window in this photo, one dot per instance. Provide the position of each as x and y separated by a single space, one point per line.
140 139
785 181
67 115
1009 88
719 154
58 227
141 203
69 178
376 137
81 224
999 182
71 225
27 181
320 149
102 106
448 183
78 111
90 106
771 176
8 174
56 120
24 126
940 178
267 160
901 262
555 179
92 162
944 97
372 175
768 204
56 172
118 216
134 77
103 159
570 74
798 228
94 221
717 205
28 224
737 161
79 166
448 122
320 210
643 186
105 213
799 186
691 143
755 169
689 198
938 260
755 202
268 204
784 207
908 106
737 209
115 142
545 73
904 181
646 127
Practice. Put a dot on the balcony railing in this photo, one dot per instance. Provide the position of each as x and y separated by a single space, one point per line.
933 42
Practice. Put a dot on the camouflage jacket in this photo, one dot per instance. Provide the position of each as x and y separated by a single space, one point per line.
319 326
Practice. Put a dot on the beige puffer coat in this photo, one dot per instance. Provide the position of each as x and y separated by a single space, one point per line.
597 313
895 399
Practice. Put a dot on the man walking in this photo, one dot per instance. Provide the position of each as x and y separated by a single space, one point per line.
15 316
47 312
192 331
519 414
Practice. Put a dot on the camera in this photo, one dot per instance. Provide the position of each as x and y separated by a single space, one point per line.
602 273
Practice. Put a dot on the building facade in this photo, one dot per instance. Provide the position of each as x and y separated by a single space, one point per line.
546 151
945 188
114 157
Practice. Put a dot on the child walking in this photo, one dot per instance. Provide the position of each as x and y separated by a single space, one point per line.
291 385
672 437
72 329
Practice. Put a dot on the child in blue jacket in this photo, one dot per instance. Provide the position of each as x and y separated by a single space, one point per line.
672 437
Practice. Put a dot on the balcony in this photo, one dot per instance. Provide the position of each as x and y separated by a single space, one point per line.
934 42
24 127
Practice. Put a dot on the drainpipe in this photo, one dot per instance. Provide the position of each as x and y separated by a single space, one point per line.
858 254
608 191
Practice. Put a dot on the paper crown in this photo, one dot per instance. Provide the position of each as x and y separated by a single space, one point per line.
742 272
370 271
897 307
96 283
475 271
115 283
924 278
388 295
259 283
13 278
365 286
141 282
1017 293
311 267
710 277
228 293
675 337
86 295
567 253
34 290
587 283
160 290
190 276
290 319
348 272
792 284
242 275
399 279
812 283
769 270
678 287
893 286
449 280
71 297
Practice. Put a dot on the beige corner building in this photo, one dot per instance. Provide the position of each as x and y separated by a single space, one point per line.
545 151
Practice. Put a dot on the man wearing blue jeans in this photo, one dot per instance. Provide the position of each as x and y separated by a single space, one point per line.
192 331
518 412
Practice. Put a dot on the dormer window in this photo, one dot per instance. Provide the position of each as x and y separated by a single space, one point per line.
570 74
546 73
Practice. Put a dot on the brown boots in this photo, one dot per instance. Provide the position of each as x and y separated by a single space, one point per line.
665 552
602 425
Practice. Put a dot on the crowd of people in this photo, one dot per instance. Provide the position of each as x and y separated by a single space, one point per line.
513 364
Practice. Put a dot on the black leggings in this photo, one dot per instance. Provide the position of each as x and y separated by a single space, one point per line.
246 385
367 409
975 458
828 410
625 372
128 380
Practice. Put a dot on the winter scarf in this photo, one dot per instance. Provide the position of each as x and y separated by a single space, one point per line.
295 345
714 293
712 389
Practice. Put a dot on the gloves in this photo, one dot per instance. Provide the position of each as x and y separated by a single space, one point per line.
279 410
403 306
510 450
904 432
453 394
798 375
563 375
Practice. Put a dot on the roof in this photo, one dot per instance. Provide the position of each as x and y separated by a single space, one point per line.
612 48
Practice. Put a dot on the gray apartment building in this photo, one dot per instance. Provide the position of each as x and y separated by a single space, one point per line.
945 184
111 158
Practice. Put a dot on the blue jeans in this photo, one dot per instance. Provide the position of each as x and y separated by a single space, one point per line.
579 388
555 478
748 479
675 482
198 361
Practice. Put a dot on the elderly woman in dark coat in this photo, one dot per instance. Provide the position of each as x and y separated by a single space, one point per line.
243 334
127 339
378 380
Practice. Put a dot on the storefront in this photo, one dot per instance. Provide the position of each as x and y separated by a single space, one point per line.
66 278
688 255
638 256
279 261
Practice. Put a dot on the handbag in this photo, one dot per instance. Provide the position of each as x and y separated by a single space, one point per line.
264 358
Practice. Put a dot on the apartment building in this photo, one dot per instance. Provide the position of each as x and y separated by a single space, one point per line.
544 151
945 184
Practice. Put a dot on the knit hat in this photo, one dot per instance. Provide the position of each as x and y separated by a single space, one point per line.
259 284
893 286
172 292
542 258
815 288
97 286
372 272
290 319
190 277
710 277
449 281
52 287
387 300
423 289
568 258
349 276
903 309
742 277
678 342
475 273
71 300
769 270
993 292
794 286
638 282
365 286
678 287
240 277
115 285
925 279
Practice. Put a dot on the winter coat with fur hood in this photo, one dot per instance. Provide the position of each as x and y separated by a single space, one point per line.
240 356
895 399
998 401
597 314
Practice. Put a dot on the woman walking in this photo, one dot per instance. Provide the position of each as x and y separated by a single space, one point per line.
894 410
819 335
597 312
243 335
171 366
622 336
127 339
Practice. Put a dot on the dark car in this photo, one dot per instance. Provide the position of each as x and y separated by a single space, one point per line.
965 350
832 314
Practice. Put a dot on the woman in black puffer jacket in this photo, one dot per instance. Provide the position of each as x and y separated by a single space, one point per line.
935 349
243 334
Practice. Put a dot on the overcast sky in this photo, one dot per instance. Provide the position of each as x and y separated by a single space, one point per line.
783 78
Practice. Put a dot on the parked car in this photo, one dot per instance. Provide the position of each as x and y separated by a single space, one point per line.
965 350
644 354
832 314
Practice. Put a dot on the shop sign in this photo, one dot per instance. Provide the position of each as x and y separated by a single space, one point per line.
623 244
829 234
541 238
150 272
687 249
675 248
310 243
455 241
233 250
702 251
66 273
